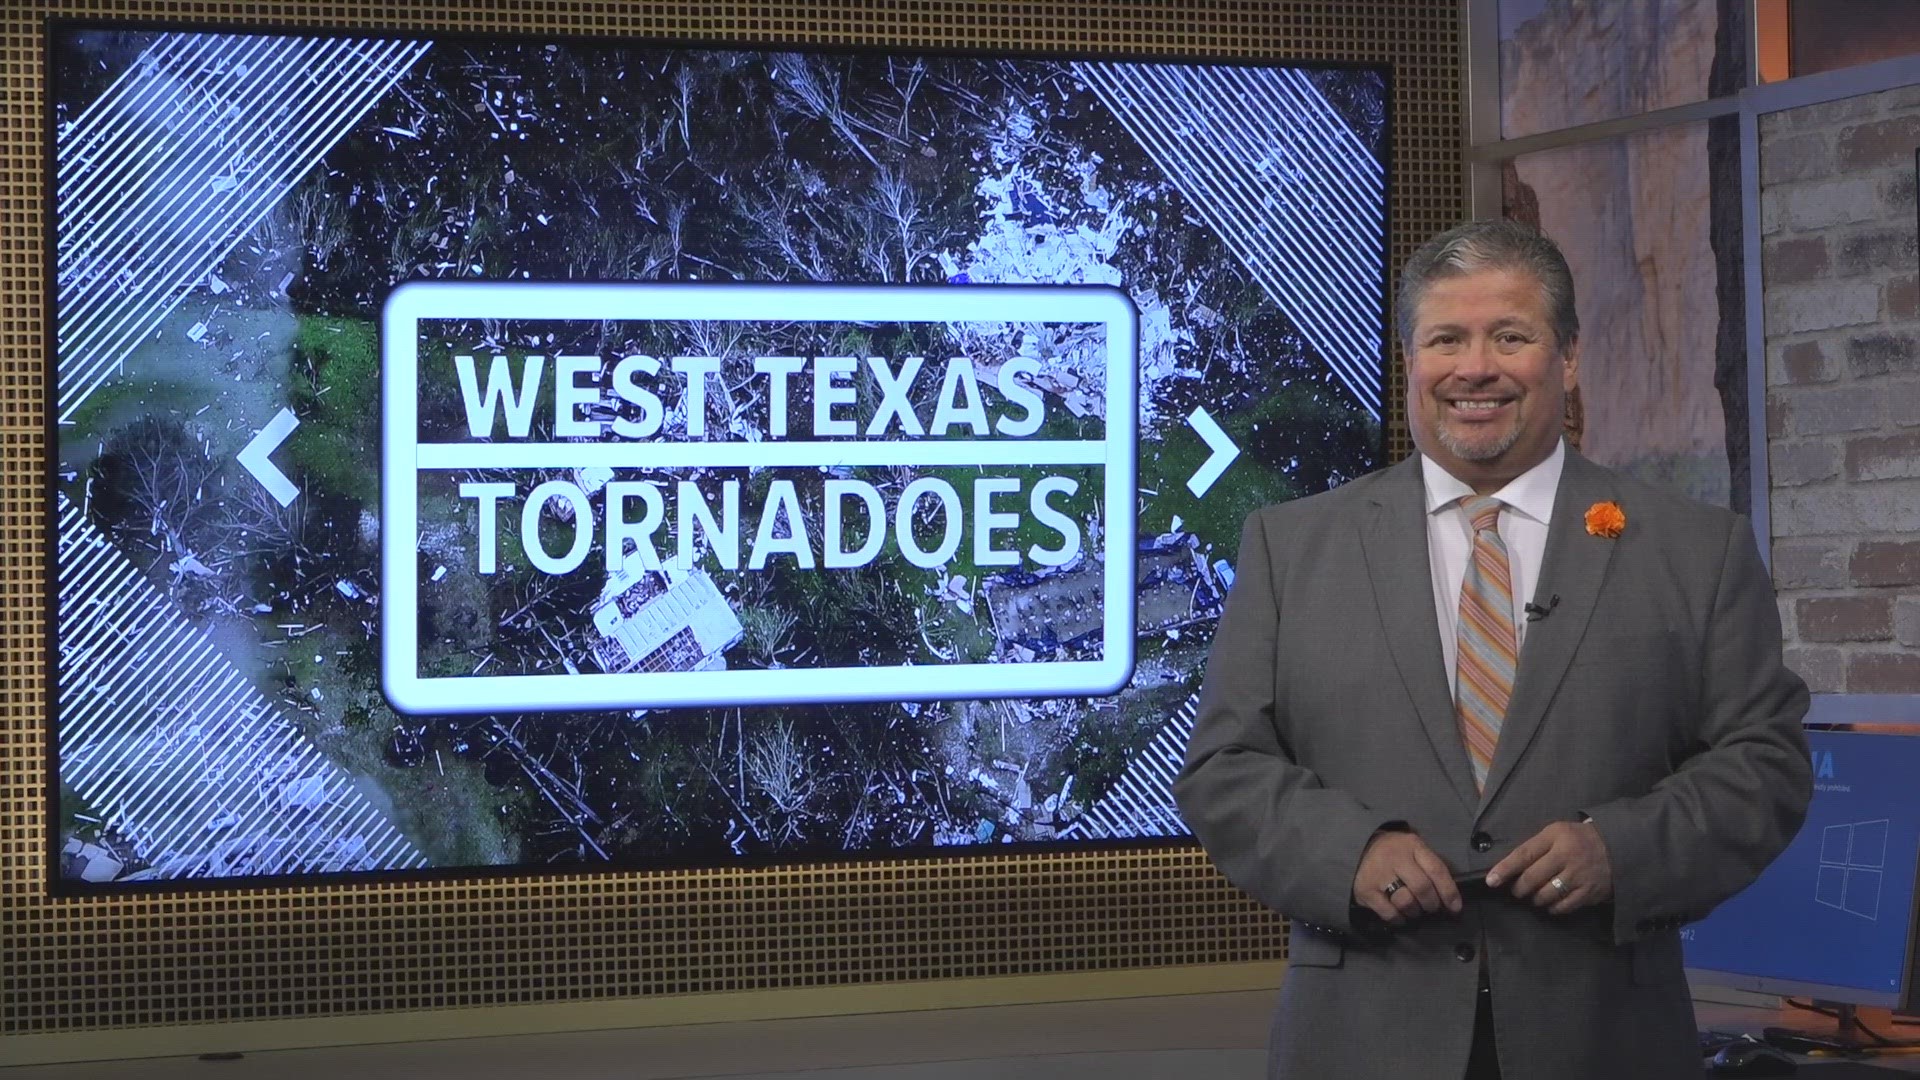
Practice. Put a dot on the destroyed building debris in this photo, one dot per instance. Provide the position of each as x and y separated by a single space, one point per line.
667 619
1041 614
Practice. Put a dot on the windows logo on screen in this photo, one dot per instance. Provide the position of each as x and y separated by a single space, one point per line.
1852 861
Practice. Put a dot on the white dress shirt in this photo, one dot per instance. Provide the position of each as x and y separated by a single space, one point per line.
1524 518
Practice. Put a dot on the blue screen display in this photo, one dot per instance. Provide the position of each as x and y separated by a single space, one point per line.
1836 909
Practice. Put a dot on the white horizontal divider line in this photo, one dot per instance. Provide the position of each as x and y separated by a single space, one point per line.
770 454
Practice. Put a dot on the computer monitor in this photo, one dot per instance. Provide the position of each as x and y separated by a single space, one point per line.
1834 917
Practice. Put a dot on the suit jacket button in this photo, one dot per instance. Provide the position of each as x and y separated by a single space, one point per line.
1482 842
1463 952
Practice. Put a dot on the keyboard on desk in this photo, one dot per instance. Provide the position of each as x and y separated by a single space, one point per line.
1711 1042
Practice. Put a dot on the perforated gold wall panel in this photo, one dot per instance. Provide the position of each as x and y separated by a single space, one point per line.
73 965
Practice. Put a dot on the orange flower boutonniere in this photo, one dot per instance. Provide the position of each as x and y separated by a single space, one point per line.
1606 519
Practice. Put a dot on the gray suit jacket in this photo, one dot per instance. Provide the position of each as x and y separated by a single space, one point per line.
1653 698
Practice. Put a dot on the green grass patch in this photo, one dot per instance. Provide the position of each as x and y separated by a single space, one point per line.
444 806
1108 739
338 443
1248 484
109 398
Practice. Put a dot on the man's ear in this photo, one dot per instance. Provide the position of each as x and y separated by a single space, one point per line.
1570 374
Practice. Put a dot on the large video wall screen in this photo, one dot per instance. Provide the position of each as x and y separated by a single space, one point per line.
543 455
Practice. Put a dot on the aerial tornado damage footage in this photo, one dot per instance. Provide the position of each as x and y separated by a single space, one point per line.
531 455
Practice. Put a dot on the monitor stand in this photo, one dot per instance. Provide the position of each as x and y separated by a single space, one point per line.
1849 1024
1848 1036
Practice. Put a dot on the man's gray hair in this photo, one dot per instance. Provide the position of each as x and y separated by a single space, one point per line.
1489 245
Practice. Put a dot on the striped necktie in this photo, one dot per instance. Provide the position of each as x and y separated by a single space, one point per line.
1487 651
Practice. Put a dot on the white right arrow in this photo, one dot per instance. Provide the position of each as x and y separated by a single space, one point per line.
1223 452
254 456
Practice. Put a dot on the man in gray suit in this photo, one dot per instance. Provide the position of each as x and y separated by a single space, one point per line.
1491 724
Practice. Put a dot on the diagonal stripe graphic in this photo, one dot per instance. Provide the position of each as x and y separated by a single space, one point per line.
1276 172
178 161
1140 803
156 181
185 759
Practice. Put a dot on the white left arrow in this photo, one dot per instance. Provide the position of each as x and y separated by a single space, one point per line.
1223 452
254 456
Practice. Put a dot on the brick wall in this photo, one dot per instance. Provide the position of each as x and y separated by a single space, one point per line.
1841 267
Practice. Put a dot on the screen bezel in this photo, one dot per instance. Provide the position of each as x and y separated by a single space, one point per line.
57 27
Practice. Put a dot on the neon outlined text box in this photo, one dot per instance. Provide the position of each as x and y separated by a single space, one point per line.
403 457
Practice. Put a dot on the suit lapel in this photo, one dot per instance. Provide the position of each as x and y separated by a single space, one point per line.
1394 543
1572 569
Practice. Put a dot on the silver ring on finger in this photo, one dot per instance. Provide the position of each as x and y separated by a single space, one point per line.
1562 887
1392 887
